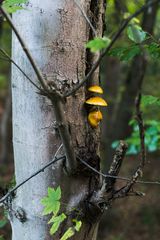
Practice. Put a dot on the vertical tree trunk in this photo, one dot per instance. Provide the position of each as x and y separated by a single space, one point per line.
55 32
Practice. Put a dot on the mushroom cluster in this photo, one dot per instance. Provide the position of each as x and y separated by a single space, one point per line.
95 115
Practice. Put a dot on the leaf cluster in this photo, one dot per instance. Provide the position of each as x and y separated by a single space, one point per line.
52 206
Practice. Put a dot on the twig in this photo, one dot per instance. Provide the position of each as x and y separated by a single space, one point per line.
105 51
85 17
26 50
139 171
8 58
116 165
141 130
71 162
117 177
30 177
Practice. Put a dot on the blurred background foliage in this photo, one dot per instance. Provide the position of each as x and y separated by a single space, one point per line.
129 66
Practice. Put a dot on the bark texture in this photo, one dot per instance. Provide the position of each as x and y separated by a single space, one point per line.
55 32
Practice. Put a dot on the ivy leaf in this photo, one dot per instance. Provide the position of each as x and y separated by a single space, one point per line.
51 202
69 233
136 34
56 222
150 100
98 44
12 6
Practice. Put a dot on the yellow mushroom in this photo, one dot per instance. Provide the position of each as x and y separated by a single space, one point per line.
94 118
97 101
96 89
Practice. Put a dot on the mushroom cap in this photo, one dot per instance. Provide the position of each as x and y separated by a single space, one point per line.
96 89
94 118
97 101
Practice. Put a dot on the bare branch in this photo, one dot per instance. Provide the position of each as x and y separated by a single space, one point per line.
4 198
58 105
26 50
139 171
105 51
8 58
117 177
116 164
85 17
141 130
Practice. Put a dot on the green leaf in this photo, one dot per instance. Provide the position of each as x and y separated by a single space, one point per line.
56 222
69 233
98 44
12 6
153 50
78 225
1 237
136 34
125 53
150 100
51 202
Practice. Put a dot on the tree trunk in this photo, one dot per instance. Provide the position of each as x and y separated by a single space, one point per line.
55 32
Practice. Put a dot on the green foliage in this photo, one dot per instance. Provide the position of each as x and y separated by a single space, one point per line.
98 44
52 205
3 222
135 33
125 53
152 137
148 100
56 222
52 201
153 50
71 231
12 6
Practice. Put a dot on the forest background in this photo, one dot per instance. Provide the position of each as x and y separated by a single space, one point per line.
123 73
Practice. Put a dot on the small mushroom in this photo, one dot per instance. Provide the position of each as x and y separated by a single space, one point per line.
97 101
94 118
96 89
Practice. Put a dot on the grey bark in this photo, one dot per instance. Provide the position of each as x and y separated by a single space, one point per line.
55 32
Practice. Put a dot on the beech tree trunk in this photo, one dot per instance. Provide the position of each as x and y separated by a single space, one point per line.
55 33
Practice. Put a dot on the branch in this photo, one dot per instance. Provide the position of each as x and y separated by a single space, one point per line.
8 58
105 51
61 122
117 177
26 50
141 130
139 171
85 17
116 165
4 198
